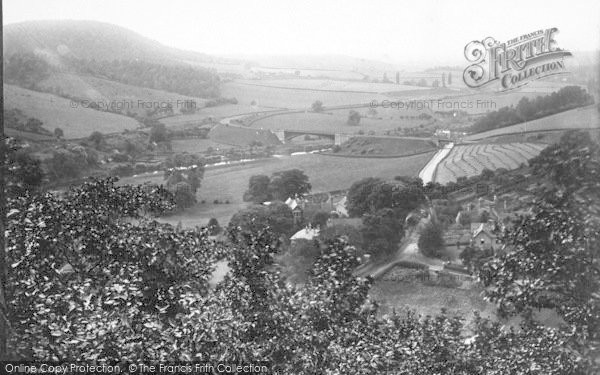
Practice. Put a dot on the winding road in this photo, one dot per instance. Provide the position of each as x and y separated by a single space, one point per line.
427 174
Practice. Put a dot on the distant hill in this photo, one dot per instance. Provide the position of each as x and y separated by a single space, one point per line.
35 50
114 77
89 40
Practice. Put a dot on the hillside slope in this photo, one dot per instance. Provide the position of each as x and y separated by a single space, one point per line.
579 118
89 40
57 112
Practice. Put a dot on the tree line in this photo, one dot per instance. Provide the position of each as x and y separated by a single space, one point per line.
16 119
566 98
28 70
180 79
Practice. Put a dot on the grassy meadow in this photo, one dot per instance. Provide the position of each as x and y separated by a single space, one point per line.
57 112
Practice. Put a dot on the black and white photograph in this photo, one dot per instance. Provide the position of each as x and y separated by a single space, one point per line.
290 187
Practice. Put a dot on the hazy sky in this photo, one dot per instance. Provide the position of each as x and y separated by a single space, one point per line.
431 31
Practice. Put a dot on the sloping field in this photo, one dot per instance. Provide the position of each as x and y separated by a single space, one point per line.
290 98
133 98
573 119
471 160
326 173
56 112
240 136
375 146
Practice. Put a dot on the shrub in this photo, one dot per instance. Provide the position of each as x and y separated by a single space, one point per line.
213 226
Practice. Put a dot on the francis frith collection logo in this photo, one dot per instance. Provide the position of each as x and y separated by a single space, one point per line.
516 62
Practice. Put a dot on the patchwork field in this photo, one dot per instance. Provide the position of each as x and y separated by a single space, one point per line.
326 173
57 112
290 98
574 119
471 160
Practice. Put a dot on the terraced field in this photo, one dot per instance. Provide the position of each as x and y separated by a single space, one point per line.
471 160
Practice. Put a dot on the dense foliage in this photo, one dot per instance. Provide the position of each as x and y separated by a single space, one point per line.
181 79
15 119
183 175
384 207
92 278
431 242
552 258
258 189
70 161
277 216
372 194
25 69
82 272
280 186
381 232
24 170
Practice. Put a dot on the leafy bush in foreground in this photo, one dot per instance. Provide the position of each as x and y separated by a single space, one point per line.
92 278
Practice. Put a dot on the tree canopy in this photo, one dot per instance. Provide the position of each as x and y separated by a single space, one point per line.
566 98
90 265
277 217
551 258
290 183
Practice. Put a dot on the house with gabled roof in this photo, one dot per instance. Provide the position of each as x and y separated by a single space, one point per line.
483 236
297 207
